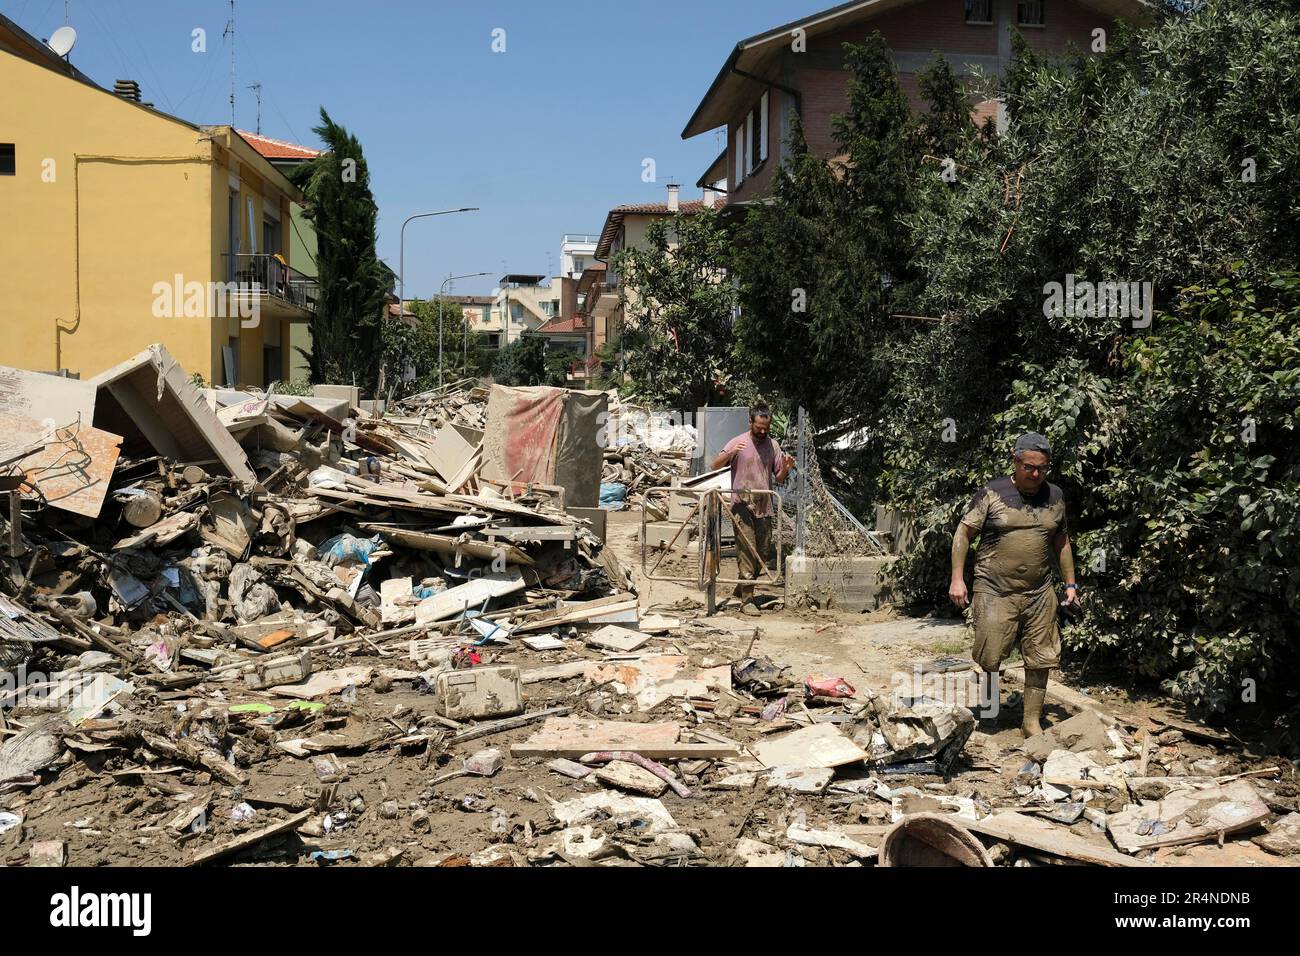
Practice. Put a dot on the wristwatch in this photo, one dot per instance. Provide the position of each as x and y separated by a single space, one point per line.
1072 587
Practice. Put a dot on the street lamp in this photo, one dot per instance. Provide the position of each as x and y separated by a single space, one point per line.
465 348
401 264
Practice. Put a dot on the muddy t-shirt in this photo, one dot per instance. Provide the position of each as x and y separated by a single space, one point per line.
1015 551
753 469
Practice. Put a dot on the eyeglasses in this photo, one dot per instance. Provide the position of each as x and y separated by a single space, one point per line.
1035 469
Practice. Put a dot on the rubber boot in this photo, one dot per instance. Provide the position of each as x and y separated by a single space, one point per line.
987 707
1035 693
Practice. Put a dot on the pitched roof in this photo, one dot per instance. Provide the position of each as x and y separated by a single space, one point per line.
753 58
615 218
278 148
557 326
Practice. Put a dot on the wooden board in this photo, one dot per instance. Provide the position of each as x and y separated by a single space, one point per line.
325 682
1048 837
583 611
163 532
821 745
463 597
575 736
631 777
251 838
73 470
446 544
615 638
1227 809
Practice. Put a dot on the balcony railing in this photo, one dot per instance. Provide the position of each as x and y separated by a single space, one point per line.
273 278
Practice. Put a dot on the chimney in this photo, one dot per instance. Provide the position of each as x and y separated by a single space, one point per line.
128 90
673 191
710 198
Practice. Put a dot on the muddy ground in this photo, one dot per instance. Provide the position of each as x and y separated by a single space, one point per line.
390 811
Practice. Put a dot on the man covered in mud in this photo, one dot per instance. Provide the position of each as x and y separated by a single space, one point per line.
755 459
1023 538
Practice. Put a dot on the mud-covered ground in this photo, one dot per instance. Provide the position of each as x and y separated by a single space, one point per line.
383 802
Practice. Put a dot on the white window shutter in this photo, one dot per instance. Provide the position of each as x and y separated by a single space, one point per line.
762 129
740 155
750 159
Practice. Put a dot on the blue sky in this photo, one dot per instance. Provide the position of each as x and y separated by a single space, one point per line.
545 137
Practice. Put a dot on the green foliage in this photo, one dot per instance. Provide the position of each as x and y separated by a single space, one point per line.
297 386
410 358
678 303
347 338
1201 541
557 364
522 362
1129 166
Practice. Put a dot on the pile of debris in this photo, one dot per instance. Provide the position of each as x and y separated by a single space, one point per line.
289 629
644 449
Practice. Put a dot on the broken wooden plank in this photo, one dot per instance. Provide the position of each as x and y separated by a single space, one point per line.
615 638
463 597
450 546
574 737
509 723
1188 816
1048 837
254 837
573 613
821 745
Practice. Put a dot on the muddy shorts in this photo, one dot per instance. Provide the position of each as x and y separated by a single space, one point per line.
1001 620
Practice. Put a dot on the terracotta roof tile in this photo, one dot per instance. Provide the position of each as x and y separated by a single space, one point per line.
278 148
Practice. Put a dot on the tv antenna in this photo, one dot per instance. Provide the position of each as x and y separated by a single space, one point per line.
230 32
257 92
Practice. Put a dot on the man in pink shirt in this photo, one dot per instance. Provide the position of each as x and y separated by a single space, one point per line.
755 459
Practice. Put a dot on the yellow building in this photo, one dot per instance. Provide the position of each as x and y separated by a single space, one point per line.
121 226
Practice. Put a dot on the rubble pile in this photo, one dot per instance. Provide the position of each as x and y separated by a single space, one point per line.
289 630
644 450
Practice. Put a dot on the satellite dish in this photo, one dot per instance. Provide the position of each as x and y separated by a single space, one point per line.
63 40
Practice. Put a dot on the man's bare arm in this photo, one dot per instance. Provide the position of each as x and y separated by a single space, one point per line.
1065 557
957 582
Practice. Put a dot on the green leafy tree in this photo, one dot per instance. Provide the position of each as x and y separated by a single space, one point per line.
822 266
347 337
1170 160
522 362
679 306
410 358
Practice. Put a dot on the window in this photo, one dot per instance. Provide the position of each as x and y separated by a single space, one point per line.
749 143
979 11
8 161
1030 13
740 154
755 135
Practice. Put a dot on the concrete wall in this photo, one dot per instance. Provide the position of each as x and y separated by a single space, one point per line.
110 199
